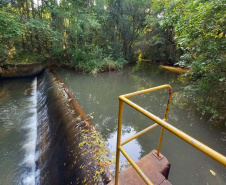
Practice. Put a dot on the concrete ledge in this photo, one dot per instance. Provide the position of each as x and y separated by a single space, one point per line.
20 70
155 169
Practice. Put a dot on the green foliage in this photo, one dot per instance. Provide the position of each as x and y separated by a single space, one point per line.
156 42
94 36
27 58
95 66
37 25
127 19
89 35
200 29
9 26
3 52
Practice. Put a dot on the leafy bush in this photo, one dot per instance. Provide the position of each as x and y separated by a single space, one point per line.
95 66
200 32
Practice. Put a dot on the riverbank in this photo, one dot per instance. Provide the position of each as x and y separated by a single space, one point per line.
92 66
21 70
27 70
14 70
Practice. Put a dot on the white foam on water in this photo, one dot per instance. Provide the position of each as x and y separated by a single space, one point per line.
37 175
30 144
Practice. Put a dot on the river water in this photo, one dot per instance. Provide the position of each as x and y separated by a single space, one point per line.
98 94
18 129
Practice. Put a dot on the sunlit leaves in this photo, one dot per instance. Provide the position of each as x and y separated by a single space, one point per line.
95 147
9 25
200 28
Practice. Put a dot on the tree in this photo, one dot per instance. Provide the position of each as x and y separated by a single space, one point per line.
127 19
200 29
10 28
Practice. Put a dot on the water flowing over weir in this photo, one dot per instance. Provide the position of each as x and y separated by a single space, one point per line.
45 137
61 158
18 131
29 146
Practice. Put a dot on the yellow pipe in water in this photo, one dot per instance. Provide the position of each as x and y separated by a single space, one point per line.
178 70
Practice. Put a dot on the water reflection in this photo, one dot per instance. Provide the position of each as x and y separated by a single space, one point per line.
133 148
99 94
4 94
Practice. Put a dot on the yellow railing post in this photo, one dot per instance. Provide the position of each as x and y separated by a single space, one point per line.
165 119
195 143
136 167
118 140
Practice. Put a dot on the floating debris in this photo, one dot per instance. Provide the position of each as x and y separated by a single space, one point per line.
212 172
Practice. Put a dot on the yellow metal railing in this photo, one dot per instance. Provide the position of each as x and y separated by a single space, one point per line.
195 143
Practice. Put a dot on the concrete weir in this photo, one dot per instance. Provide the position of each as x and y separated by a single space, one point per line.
67 147
66 144
154 167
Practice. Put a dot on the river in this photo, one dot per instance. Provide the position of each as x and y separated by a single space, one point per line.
18 131
98 94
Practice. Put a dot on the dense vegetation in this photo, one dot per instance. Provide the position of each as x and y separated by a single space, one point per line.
96 35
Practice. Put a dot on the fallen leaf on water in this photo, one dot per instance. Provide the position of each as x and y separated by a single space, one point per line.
213 173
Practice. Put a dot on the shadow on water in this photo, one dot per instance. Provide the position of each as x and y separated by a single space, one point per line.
99 94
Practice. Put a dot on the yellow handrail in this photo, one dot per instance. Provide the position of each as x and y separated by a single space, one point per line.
195 143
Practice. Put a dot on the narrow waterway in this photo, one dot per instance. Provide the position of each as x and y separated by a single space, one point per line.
98 94
18 120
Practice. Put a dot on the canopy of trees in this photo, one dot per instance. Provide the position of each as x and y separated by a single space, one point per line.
96 34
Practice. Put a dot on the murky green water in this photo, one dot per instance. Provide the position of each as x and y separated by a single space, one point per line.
17 133
99 94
